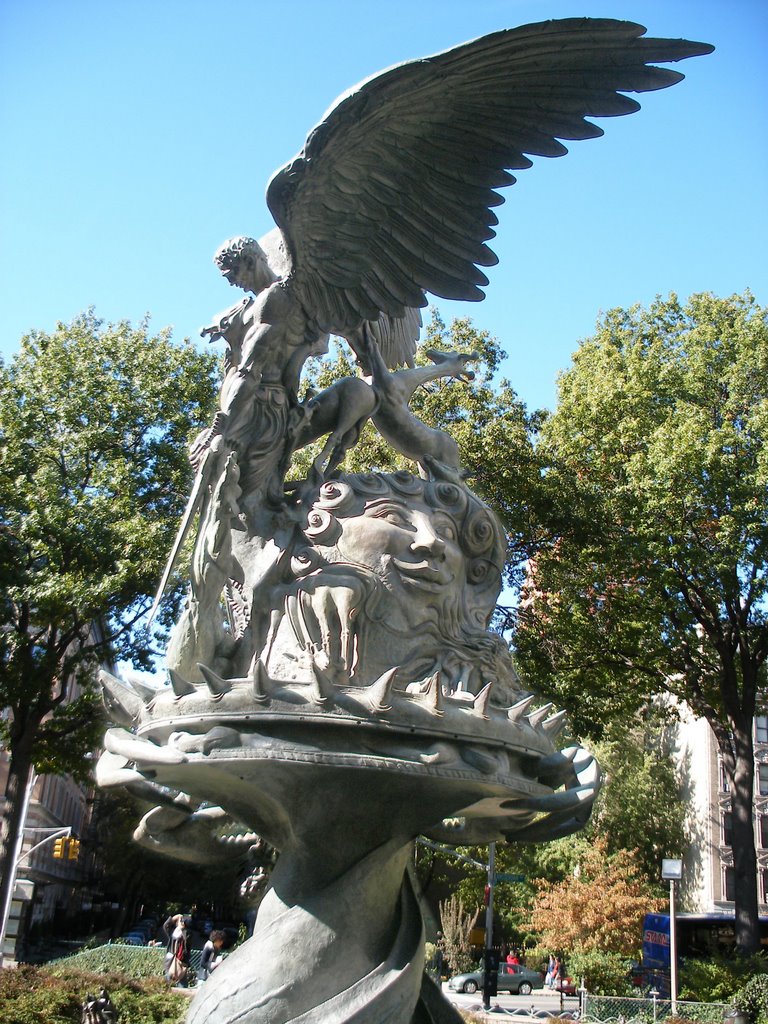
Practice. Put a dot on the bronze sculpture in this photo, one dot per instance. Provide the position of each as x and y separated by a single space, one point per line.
353 697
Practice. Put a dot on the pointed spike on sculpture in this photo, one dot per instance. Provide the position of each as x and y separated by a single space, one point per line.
431 697
480 703
215 683
536 717
554 725
179 684
588 771
564 800
516 712
120 699
321 686
260 683
378 693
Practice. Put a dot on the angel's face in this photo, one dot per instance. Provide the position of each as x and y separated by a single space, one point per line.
238 276
249 271
413 547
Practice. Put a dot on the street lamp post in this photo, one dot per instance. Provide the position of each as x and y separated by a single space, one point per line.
673 871
488 961
12 863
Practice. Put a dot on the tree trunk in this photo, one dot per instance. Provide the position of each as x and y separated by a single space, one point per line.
747 922
19 770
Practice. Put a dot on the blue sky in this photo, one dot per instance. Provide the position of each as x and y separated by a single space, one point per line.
138 135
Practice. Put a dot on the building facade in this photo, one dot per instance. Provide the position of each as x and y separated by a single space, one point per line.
708 877
51 894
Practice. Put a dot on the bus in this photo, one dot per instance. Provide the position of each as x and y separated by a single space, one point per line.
698 936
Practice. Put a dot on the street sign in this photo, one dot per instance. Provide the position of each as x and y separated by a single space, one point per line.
502 876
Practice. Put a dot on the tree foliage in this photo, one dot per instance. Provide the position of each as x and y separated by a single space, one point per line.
133 875
640 806
603 974
94 426
599 907
649 575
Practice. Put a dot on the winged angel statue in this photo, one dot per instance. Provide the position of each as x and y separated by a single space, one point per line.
357 655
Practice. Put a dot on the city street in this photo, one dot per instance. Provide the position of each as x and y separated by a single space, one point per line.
539 1001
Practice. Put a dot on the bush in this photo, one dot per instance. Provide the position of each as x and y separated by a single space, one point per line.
35 995
605 974
752 999
132 961
717 980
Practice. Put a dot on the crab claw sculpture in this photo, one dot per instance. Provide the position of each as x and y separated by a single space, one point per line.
333 687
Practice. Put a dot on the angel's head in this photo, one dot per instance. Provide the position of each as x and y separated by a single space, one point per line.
244 264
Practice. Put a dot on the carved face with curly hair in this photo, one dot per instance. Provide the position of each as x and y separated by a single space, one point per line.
434 545
396 572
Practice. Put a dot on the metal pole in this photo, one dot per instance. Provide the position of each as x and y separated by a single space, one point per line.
55 833
6 910
672 948
489 916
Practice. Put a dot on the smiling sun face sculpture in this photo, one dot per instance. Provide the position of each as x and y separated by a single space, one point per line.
398 572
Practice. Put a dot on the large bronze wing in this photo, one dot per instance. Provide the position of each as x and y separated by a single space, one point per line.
392 194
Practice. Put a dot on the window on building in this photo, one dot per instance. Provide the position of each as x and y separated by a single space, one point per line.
763 885
727 828
729 883
724 787
761 728
764 831
762 779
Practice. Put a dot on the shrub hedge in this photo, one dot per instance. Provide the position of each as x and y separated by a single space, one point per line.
718 979
37 995
133 961
752 999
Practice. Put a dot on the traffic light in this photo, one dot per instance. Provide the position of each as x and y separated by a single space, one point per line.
60 847
74 849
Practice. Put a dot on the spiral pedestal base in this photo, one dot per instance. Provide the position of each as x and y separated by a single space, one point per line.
350 952
340 780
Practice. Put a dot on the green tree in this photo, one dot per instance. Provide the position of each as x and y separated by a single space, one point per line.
639 809
94 424
640 806
133 875
650 572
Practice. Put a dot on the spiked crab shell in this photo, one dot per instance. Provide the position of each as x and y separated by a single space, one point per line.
504 761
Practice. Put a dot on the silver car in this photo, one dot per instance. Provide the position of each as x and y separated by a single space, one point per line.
512 978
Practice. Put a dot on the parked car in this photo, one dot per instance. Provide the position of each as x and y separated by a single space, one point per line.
512 978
